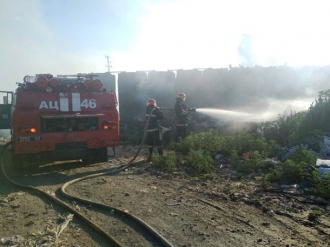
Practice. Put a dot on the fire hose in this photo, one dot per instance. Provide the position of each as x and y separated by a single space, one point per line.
171 109
104 206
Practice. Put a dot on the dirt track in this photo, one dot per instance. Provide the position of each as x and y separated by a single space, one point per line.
220 211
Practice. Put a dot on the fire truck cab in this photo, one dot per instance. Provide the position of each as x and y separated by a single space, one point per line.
62 118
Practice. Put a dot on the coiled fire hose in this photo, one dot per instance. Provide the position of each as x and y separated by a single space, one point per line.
104 206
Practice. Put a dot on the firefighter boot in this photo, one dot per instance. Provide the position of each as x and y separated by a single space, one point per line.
160 151
150 154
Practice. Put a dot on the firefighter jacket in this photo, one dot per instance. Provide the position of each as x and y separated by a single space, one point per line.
181 112
155 117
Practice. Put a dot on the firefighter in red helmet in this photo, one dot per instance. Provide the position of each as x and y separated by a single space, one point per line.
181 112
153 128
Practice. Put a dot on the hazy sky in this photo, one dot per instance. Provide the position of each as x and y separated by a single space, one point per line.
73 36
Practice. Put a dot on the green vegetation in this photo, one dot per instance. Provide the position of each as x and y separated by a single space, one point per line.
167 162
262 154
131 134
199 162
302 126
321 186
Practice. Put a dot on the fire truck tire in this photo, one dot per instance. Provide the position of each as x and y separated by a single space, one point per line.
97 155
89 160
16 162
102 155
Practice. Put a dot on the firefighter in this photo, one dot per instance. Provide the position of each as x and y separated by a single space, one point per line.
181 112
153 128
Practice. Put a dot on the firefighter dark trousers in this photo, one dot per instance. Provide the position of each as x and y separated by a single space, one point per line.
181 132
152 139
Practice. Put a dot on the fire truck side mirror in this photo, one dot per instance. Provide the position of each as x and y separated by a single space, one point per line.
7 99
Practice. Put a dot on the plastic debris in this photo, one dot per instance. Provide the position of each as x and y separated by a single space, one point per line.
289 186
323 163
323 171
218 156
325 146
12 240
273 162
5 240
293 149
37 233
60 228
9 215
248 155
323 167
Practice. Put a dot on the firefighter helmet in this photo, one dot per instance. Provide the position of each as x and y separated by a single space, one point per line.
182 96
151 102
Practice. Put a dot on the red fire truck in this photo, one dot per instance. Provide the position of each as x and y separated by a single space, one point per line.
61 118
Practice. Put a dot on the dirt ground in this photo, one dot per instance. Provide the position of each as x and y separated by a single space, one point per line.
218 211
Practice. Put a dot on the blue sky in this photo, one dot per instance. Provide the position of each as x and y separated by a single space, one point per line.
73 36
89 25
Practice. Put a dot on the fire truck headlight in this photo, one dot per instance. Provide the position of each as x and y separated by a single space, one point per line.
49 89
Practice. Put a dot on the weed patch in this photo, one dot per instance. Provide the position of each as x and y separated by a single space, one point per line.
199 163
167 162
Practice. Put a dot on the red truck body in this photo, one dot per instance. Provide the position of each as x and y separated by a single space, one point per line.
63 119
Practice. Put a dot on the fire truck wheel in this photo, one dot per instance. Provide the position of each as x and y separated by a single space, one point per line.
102 155
16 162
89 160
97 155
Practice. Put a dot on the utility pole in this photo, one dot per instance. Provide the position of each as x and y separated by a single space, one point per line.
108 63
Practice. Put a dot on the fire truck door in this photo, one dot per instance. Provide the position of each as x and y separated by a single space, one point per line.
6 100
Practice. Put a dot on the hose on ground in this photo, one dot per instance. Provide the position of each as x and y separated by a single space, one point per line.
111 240
92 224
116 210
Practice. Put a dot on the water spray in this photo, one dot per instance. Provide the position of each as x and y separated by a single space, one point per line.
222 114
237 116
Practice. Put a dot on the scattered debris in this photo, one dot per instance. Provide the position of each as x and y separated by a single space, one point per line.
12 240
323 167
289 186
9 215
247 155
60 228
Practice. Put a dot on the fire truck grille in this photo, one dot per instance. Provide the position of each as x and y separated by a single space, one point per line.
70 145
